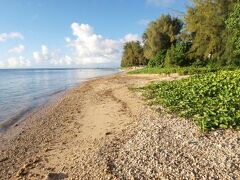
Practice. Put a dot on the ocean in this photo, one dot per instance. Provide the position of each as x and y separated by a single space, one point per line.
22 90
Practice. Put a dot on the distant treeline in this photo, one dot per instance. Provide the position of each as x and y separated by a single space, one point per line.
208 35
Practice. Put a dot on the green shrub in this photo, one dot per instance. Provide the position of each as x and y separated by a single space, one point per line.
181 70
158 61
177 55
199 63
212 100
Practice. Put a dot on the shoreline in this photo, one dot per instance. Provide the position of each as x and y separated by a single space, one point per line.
10 129
10 139
25 113
102 129
15 119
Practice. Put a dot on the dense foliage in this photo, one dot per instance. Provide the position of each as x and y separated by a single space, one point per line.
212 100
181 70
158 60
160 35
233 27
209 35
205 21
176 55
133 55
207 46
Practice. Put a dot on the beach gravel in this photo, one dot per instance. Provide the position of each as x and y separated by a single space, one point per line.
165 147
104 130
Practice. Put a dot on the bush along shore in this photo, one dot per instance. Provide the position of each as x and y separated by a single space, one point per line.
212 100
181 70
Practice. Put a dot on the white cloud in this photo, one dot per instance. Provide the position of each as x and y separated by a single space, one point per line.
160 2
91 48
131 37
66 60
41 55
87 49
54 57
14 62
18 49
11 35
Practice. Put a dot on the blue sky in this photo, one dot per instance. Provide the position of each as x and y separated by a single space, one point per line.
74 33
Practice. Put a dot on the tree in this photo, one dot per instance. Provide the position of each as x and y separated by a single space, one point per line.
206 24
133 54
233 27
160 35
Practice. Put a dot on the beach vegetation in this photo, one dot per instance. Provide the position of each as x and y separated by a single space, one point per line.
158 60
206 46
176 56
211 100
191 70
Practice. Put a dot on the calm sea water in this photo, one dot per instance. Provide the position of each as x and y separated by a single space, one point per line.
22 90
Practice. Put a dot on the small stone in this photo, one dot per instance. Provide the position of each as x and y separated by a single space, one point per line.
36 159
22 172
48 149
4 159
108 133
56 176
192 142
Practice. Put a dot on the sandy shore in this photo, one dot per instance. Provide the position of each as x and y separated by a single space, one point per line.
104 130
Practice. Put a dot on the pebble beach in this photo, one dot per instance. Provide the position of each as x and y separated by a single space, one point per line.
104 129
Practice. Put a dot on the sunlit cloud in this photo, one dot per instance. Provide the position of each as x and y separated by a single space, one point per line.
84 48
91 48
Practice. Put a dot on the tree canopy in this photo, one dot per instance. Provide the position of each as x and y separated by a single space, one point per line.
206 23
210 35
133 54
160 35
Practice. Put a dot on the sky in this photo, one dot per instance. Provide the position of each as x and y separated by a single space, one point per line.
74 33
